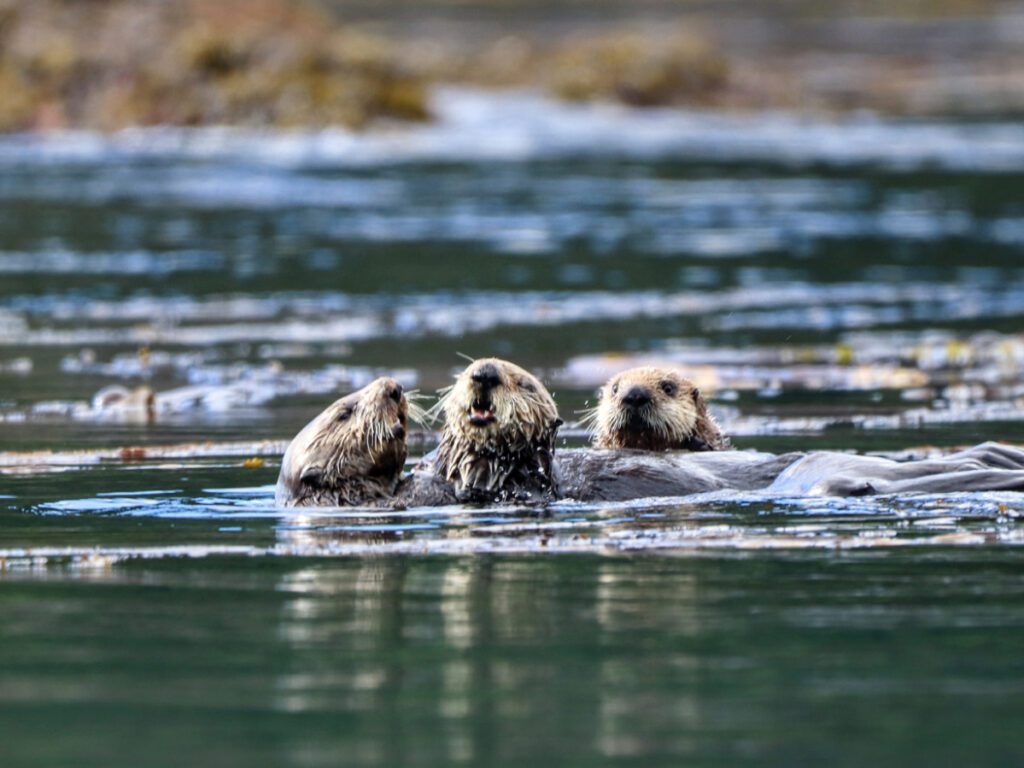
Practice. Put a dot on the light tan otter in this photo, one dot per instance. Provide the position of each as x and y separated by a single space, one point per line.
654 409
352 453
499 434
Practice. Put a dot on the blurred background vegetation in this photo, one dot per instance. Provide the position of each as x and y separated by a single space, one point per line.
108 64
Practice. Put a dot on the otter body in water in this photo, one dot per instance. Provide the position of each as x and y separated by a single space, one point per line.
654 409
352 453
607 475
498 439
601 475
498 446
985 467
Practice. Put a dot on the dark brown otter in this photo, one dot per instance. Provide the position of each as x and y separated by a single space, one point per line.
499 434
352 453
654 409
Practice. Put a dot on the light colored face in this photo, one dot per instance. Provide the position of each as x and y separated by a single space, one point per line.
361 435
646 406
494 399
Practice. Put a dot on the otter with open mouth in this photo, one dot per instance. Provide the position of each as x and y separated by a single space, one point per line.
353 453
498 446
654 409
498 439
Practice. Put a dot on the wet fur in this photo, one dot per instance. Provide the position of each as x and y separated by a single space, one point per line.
359 460
353 453
624 475
509 459
675 417
985 467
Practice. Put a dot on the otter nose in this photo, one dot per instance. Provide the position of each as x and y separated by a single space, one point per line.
398 431
486 376
637 397
395 393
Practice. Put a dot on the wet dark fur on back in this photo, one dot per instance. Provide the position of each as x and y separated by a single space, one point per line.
499 434
623 475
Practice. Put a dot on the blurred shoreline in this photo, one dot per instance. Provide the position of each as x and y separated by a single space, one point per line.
106 65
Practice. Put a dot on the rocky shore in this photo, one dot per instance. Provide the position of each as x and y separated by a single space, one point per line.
109 64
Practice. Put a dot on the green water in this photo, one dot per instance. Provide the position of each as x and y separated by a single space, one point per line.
197 625
772 660
851 285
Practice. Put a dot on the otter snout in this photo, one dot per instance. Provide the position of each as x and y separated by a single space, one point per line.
637 397
486 376
398 431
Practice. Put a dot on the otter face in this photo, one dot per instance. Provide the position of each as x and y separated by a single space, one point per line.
352 453
498 437
654 409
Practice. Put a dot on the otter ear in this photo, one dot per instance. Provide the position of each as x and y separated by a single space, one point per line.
311 475
708 435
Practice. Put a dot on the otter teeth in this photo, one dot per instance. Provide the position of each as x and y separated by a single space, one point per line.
480 414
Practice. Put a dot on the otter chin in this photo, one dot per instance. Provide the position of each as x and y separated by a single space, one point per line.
654 409
352 453
499 433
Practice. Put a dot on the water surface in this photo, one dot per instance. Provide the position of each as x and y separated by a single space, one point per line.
852 284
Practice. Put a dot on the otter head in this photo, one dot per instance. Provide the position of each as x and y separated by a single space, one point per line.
352 453
499 433
654 409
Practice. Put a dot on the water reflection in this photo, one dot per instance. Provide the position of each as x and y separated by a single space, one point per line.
439 661
514 652
508 660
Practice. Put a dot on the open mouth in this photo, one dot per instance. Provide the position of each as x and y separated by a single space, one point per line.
481 413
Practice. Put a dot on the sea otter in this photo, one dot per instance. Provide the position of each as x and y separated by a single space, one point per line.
498 446
352 453
645 410
654 409
498 439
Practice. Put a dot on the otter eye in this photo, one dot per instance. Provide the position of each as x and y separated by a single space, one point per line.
615 389
345 415
669 388
527 385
